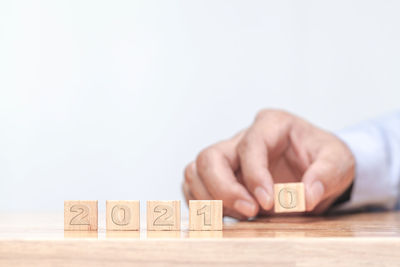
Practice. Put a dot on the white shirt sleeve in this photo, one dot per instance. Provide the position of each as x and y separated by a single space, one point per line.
376 147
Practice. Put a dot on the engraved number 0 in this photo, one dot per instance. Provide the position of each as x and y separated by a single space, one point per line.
206 210
116 213
288 198
166 215
82 217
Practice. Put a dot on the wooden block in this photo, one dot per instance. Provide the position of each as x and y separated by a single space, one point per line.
164 215
123 215
80 215
205 215
289 197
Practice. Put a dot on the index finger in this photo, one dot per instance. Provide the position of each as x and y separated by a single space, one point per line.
217 174
267 137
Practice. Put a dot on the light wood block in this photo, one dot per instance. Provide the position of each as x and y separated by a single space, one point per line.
80 215
123 215
164 215
289 197
205 215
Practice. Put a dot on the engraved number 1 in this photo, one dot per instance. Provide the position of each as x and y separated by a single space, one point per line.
206 210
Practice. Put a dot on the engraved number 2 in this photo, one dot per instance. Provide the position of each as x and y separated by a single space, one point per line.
82 217
206 210
166 214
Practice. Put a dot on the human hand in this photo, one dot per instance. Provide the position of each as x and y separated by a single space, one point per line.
277 148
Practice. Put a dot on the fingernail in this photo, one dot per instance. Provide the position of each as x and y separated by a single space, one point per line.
245 207
317 191
263 198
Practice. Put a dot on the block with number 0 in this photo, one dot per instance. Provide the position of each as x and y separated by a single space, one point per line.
289 197
164 215
205 215
123 215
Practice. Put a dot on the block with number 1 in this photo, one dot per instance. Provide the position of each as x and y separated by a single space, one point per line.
205 215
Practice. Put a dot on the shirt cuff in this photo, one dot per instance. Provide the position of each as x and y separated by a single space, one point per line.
372 184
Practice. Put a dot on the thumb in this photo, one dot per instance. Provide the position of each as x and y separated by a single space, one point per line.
320 181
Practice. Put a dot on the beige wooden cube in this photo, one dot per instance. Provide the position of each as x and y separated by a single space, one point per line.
205 215
123 215
80 215
289 197
164 215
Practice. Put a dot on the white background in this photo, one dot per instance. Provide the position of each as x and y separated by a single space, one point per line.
111 99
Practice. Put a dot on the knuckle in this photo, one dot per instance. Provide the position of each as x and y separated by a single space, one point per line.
188 178
243 145
204 159
274 114
188 175
262 113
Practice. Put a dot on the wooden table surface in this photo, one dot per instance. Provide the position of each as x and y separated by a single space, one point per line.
365 239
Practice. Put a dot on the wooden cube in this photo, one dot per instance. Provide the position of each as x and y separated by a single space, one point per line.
164 215
122 215
80 215
289 197
205 215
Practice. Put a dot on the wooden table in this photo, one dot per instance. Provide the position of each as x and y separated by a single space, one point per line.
368 239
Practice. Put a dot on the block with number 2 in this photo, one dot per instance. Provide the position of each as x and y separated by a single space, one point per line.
80 215
164 215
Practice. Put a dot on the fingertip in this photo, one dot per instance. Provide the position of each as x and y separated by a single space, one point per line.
263 197
314 194
244 203
245 207
253 157
234 214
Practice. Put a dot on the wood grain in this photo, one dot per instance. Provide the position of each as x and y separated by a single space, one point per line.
366 239
238 252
